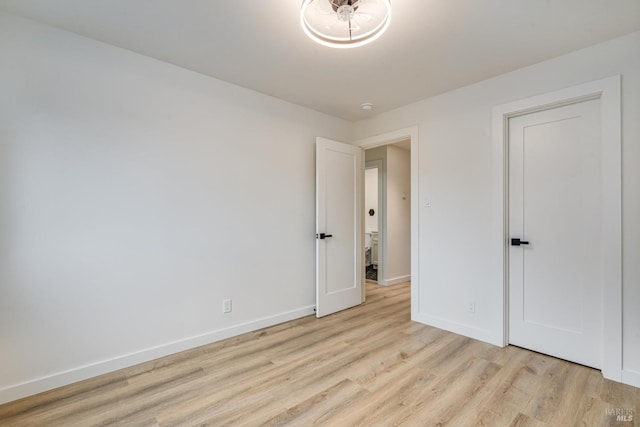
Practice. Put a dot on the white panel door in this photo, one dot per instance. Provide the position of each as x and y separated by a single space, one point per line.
555 205
339 204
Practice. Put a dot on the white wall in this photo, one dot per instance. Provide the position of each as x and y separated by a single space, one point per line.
398 261
134 197
457 260
371 200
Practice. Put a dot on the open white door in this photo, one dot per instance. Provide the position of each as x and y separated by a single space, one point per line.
339 194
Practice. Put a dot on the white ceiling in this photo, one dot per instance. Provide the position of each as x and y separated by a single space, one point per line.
431 47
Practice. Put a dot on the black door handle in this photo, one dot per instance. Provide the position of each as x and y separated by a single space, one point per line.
323 236
518 242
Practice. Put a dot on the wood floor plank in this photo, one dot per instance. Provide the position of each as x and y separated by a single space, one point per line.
369 365
54 399
521 420
502 395
453 392
413 354
380 403
322 406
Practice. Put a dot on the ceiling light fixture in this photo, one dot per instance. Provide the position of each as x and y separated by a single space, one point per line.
345 23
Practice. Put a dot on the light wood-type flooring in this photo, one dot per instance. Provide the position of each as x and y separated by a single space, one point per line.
368 366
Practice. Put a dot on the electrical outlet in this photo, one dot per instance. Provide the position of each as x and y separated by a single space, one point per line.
471 307
226 306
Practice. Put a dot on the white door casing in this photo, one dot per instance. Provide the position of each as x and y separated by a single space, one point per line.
411 133
339 226
555 194
608 91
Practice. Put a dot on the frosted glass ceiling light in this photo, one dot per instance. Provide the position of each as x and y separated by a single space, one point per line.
345 23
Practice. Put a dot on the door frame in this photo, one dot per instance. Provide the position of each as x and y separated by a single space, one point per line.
382 224
608 91
410 133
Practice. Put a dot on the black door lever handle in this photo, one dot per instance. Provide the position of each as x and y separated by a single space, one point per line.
323 236
518 242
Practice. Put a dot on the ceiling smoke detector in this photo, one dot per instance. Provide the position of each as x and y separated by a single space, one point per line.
345 23
367 106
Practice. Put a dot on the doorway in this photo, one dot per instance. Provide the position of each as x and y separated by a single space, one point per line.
340 197
387 231
409 136
373 185
607 210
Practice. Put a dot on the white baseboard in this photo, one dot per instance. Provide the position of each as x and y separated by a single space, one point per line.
80 373
396 280
631 377
458 328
